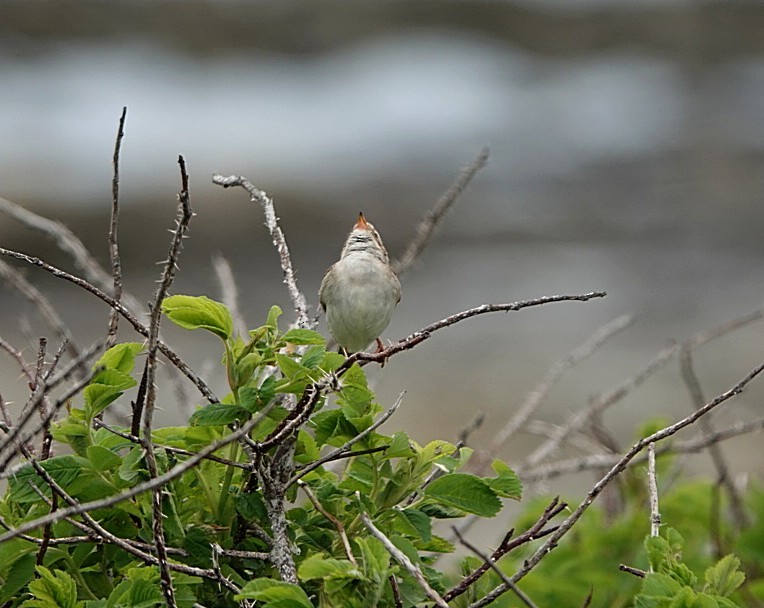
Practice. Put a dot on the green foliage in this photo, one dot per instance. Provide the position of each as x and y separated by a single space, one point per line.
411 492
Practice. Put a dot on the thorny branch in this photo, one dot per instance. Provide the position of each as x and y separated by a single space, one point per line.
116 263
279 240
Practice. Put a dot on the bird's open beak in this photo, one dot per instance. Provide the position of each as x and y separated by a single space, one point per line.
361 223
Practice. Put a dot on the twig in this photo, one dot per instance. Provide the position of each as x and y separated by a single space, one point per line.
717 457
168 274
536 397
620 466
145 486
652 485
600 404
126 314
429 223
271 221
404 561
229 292
597 461
116 264
47 311
335 522
492 564
424 333
334 454
635 571
508 543
396 591
68 242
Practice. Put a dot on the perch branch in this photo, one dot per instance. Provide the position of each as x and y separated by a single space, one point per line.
116 263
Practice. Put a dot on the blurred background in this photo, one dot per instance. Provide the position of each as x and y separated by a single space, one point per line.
626 138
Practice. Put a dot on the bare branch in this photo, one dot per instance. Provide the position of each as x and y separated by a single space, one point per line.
168 275
47 311
404 561
68 243
652 484
146 486
424 333
271 221
621 466
430 222
335 522
598 405
492 565
126 314
229 291
343 449
714 450
536 397
116 264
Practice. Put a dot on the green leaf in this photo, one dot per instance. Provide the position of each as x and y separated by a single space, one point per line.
102 458
313 357
255 399
199 312
303 336
419 521
120 357
290 367
724 577
20 572
105 387
274 593
53 589
63 469
465 492
399 446
506 483
219 414
320 567
273 317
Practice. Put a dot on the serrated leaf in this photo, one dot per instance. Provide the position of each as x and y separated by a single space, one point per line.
19 574
53 589
313 357
218 414
270 591
102 458
120 357
255 399
724 577
318 566
506 483
290 368
331 427
465 492
303 336
199 312
63 469
419 521
399 446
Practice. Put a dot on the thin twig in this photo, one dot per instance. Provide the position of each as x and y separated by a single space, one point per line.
714 450
271 221
229 291
429 223
145 486
536 397
116 263
68 242
335 522
598 405
508 543
652 485
168 274
424 333
621 466
343 449
404 561
125 312
46 309
635 571
492 565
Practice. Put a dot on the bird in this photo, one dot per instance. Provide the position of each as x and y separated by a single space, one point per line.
360 291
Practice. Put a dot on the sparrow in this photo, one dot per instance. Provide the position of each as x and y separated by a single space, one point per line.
360 291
